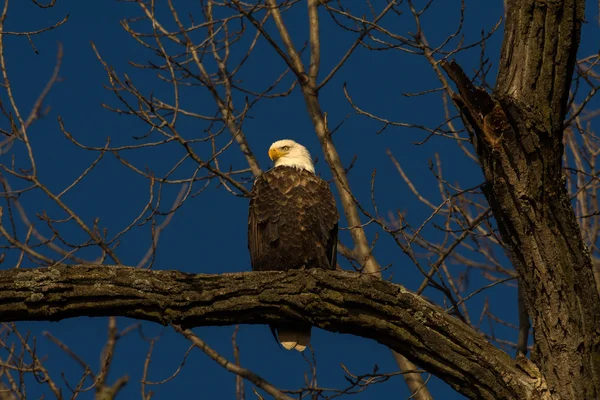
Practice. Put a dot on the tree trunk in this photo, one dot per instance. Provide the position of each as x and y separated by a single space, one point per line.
518 136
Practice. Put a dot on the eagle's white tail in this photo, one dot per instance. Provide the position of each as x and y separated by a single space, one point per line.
297 338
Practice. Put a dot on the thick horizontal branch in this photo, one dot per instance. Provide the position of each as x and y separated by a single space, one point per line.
332 300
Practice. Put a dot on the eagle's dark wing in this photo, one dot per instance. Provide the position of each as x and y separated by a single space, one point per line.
292 221
329 221
258 218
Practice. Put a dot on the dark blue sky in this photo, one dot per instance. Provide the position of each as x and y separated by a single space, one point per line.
208 233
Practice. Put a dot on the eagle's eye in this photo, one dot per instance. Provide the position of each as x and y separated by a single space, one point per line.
285 148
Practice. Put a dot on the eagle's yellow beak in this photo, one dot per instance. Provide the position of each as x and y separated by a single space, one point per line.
274 154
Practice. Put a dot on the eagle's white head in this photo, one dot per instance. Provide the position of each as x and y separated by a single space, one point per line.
287 152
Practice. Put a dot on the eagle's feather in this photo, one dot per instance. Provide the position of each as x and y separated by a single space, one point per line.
292 224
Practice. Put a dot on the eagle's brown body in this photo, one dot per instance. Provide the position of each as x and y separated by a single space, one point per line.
292 224
292 221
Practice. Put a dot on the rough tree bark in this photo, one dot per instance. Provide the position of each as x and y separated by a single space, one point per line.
336 301
518 133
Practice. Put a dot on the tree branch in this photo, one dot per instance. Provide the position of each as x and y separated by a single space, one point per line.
236 369
332 300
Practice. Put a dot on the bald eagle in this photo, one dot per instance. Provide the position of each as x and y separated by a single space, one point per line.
292 224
